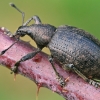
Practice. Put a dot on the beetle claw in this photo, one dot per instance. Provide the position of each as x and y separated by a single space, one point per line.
15 67
94 83
61 81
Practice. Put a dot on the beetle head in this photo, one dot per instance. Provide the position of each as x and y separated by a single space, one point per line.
40 33
20 32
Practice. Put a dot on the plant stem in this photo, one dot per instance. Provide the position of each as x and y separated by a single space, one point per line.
39 70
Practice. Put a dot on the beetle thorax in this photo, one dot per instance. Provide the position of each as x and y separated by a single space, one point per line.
43 34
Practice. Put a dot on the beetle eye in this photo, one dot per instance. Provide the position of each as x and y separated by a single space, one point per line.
19 31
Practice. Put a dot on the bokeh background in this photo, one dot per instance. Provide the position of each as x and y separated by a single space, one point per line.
84 14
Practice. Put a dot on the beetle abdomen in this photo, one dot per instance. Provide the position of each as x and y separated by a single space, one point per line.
71 45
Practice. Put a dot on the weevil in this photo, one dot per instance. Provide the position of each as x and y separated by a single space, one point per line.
74 48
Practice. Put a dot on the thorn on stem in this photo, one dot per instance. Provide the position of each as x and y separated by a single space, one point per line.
38 88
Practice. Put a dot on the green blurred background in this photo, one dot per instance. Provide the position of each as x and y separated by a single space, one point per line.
84 14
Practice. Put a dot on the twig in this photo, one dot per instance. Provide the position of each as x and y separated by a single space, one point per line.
39 70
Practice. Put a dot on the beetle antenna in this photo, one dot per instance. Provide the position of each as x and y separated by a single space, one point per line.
23 14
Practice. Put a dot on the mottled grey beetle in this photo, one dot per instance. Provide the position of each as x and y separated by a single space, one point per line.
73 48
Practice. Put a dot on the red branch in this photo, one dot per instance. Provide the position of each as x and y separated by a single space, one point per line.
39 70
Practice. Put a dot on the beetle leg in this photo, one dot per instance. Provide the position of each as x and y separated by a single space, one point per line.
35 18
24 58
6 31
71 67
90 81
2 52
94 83
60 78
